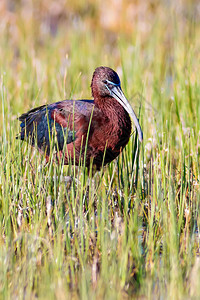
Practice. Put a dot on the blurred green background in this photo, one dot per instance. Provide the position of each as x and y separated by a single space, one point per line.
49 49
139 235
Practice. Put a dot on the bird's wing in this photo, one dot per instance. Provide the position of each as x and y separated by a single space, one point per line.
66 120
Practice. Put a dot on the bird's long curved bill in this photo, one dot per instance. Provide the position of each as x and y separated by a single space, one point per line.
117 93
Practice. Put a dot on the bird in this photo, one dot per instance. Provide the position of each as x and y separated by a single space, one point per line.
96 129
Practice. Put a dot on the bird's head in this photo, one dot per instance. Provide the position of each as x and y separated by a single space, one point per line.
106 83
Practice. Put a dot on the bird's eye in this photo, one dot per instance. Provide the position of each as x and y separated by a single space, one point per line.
105 81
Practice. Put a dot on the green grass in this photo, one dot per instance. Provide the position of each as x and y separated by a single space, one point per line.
132 231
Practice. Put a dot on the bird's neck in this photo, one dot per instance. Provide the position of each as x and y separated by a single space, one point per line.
119 122
112 108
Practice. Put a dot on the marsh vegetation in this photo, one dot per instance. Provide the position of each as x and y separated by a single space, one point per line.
132 230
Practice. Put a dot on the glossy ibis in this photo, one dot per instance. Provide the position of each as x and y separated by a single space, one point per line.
99 127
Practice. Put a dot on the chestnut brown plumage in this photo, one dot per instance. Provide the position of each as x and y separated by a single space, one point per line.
103 124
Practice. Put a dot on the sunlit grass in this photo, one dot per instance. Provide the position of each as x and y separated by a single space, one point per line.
133 229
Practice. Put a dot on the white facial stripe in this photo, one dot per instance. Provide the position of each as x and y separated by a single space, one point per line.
115 84
108 88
